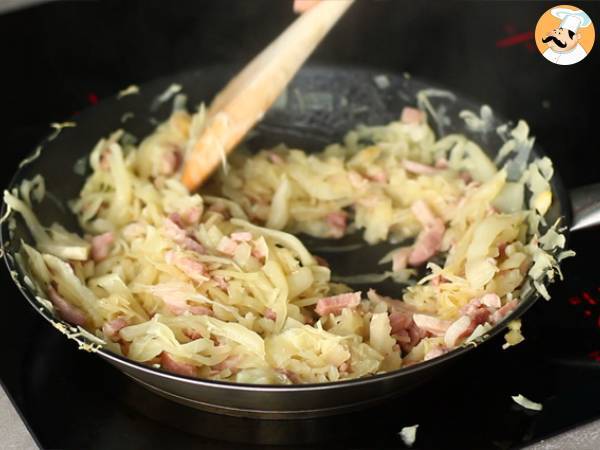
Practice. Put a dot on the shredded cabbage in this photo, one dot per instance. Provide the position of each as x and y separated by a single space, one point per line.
218 286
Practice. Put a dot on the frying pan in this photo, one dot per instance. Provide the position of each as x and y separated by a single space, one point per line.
319 106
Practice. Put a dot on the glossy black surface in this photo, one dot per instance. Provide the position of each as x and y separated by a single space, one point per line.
71 50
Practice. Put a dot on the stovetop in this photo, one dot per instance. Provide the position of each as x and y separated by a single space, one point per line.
62 57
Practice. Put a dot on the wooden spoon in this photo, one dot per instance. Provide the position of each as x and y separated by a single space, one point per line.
247 97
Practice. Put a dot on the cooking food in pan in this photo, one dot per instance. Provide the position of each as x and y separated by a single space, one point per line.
218 284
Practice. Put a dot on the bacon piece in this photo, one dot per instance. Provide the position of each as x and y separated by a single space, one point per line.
418 168
192 215
112 327
429 240
460 328
400 321
231 363
104 159
227 245
178 235
270 314
400 258
192 334
275 158
412 115
379 176
504 311
170 162
337 223
431 324
201 310
66 310
189 266
321 261
241 236
221 282
336 303
101 245
441 163
170 364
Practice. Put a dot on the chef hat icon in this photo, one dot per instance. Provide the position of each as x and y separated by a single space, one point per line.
571 19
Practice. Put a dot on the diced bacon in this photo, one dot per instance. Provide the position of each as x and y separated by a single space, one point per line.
336 303
227 246
192 334
201 310
176 219
112 327
172 229
380 176
465 176
104 159
101 245
491 301
418 168
174 298
400 321
241 236
321 261
429 240
170 162
412 115
275 158
221 282
258 252
179 236
431 324
504 311
270 314
434 353
189 266
66 310
459 329
193 245
502 250
230 363
337 224
441 163
170 364
192 215
400 258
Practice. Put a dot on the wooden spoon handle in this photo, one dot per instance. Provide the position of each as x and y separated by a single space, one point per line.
249 95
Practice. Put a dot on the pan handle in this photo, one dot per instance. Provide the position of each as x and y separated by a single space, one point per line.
585 202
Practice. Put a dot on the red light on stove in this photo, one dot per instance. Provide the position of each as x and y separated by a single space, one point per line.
574 301
588 298
92 98
595 355
587 313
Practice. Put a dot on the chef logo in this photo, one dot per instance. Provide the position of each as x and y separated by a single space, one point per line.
564 35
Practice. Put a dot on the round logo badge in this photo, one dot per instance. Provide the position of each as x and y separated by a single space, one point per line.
564 35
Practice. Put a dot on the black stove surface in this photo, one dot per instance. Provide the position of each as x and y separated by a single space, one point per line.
61 57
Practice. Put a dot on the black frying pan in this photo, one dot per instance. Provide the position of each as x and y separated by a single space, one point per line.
321 104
